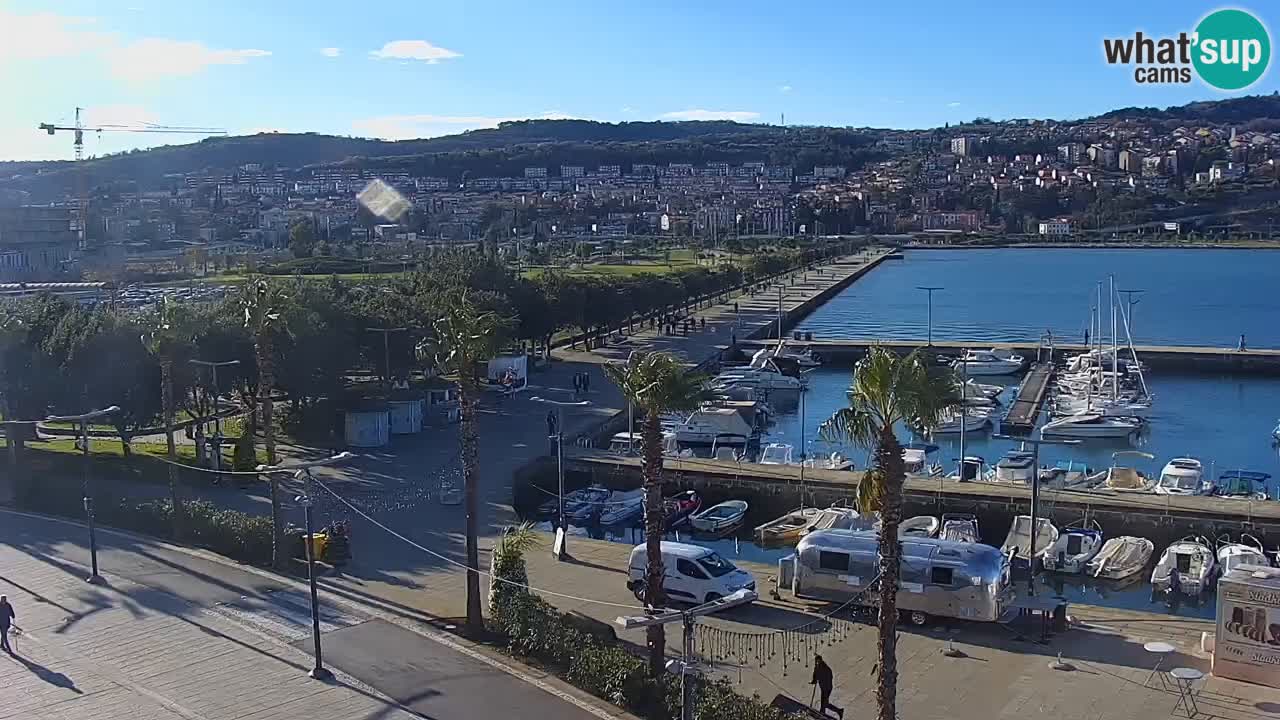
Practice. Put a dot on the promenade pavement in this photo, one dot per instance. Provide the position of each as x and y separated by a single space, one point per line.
173 636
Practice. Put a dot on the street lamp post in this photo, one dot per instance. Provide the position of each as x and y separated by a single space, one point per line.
687 618
217 420
84 420
386 351
930 289
1129 303
307 500
559 549
1035 494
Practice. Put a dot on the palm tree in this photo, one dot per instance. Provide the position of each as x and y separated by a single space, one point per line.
507 563
889 390
261 303
462 336
168 336
655 383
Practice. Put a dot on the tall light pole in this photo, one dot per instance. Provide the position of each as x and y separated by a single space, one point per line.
307 499
559 549
217 420
1035 494
930 289
386 351
687 618
84 420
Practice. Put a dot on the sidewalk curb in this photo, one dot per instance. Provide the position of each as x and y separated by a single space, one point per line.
542 680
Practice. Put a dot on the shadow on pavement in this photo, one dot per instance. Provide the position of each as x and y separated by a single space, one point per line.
50 676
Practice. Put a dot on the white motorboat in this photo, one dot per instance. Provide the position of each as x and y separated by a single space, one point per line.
788 528
1243 485
720 518
1016 466
915 460
973 389
1121 557
1246 552
919 526
1017 544
976 420
989 362
835 461
1073 550
1185 566
805 357
839 517
764 373
776 454
1092 425
970 469
1182 476
1123 408
959 527
1069 475
708 424
1126 479
622 508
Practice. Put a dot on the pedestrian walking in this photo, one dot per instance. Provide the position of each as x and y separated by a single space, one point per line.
551 422
577 385
703 322
735 307
586 382
1241 346
6 620
822 678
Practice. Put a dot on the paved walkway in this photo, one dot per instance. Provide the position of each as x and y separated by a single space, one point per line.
172 636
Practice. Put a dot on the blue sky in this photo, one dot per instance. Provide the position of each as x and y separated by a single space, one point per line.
412 69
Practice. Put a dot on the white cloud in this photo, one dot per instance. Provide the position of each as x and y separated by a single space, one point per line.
735 115
953 104
47 35
414 50
331 52
627 109
406 127
784 88
152 58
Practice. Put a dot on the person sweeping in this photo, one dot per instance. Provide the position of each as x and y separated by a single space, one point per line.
823 679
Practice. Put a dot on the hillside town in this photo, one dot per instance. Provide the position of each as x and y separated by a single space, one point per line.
1037 179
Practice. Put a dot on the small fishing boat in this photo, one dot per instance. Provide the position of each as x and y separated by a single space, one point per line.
976 420
1182 476
1075 547
1126 479
1246 552
1242 485
1185 566
786 529
919 526
959 527
838 517
575 500
622 508
1017 544
835 461
1121 557
1068 475
680 506
720 518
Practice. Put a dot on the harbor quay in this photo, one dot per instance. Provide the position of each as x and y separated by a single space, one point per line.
772 490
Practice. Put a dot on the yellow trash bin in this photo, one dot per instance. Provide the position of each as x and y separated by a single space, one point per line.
318 543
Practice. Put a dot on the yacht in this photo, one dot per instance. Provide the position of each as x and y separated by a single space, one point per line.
1092 425
1071 405
711 422
970 469
1182 476
1246 552
976 420
804 357
1017 466
764 372
915 460
989 362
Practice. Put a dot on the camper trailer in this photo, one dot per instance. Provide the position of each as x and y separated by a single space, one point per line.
940 578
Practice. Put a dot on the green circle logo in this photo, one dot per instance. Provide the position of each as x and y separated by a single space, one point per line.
1232 49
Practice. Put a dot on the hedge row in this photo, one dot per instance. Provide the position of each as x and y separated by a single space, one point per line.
236 535
534 629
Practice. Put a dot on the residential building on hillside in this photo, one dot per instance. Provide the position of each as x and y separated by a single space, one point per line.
535 172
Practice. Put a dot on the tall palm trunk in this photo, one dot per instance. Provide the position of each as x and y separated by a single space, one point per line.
889 461
651 468
471 480
266 379
171 451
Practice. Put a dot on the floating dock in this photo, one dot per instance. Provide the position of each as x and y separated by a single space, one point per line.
1262 361
1025 409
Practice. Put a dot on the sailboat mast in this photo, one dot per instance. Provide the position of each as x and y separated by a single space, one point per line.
1115 345
964 410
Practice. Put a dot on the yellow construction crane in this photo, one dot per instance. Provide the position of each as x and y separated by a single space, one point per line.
79 129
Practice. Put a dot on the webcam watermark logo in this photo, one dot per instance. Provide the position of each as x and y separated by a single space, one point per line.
1229 50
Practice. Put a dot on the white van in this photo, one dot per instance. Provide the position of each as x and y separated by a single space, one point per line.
691 574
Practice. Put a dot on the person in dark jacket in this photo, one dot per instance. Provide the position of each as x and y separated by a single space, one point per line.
822 678
6 620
